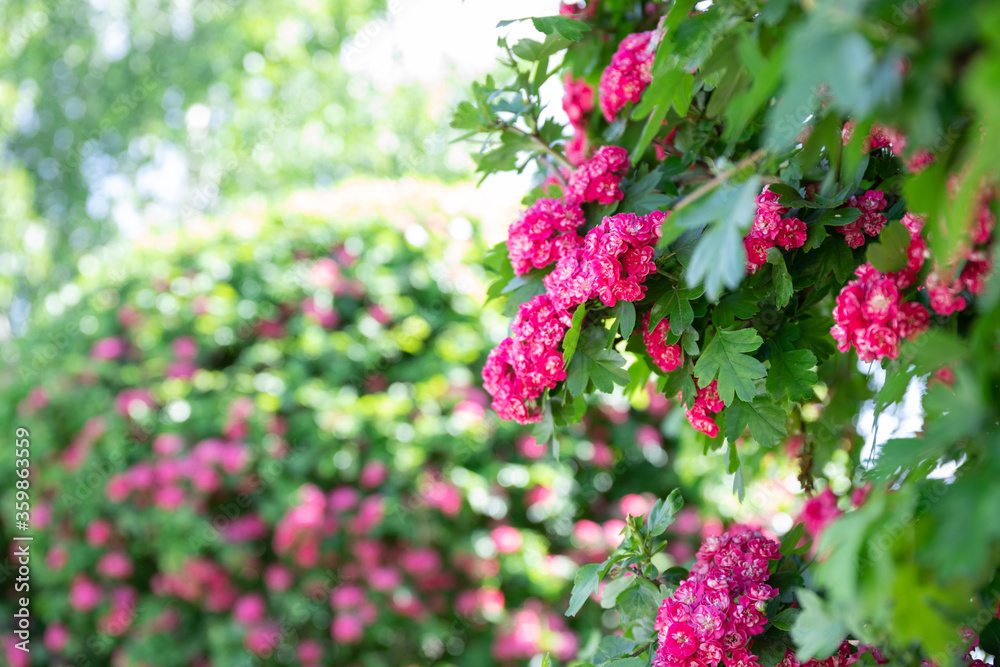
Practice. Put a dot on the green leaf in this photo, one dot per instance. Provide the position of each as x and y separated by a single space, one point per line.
719 257
675 304
817 632
765 419
890 253
661 515
614 588
639 602
989 638
624 314
790 541
603 367
532 50
611 647
783 289
571 29
587 579
725 358
838 217
785 619
573 334
792 372
546 661
741 304
768 649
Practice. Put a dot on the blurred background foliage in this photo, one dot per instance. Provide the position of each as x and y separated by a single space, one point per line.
121 115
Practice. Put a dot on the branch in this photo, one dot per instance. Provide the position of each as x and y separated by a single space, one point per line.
537 138
720 179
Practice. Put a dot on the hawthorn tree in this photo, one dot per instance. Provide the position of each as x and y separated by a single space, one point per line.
780 213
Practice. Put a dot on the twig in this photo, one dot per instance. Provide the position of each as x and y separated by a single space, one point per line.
720 179
640 649
534 136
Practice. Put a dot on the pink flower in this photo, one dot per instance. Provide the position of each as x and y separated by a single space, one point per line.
519 369
278 578
819 512
634 504
506 539
250 609
599 178
130 401
373 474
628 74
168 444
115 565
756 248
578 100
84 594
347 629
325 274
56 637
185 348
323 315
666 357
530 448
620 251
679 640
791 233
571 282
108 348
98 532
543 234
263 639
870 222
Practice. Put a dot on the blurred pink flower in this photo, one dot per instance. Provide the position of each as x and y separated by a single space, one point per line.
324 316
507 539
108 348
129 399
347 629
635 504
613 534
278 578
167 444
250 609
325 273
530 448
84 594
185 348
373 474
818 512
56 637
420 561
115 565
98 532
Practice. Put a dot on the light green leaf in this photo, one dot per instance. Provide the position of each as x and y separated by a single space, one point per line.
572 336
816 632
587 579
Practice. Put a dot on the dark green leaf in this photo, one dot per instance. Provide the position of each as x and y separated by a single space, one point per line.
725 358
765 419
783 289
989 638
662 513
624 314
611 647
792 372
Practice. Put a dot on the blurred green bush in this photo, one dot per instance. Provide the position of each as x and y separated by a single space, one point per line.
262 442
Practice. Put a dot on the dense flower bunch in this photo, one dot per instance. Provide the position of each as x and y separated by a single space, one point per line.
543 234
599 178
620 252
712 614
706 403
628 74
770 228
870 222
529 361
871 315
666 357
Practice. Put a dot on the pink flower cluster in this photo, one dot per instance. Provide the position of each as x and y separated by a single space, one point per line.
819 512
870 222
531 630
628 74
885 136
578 102
771 229
944 288
871 315
543 234
666 357
620 251
706 403
842 658
529 361
599 178
713 614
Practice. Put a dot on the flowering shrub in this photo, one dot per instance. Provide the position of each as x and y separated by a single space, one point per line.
265 446
806 238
